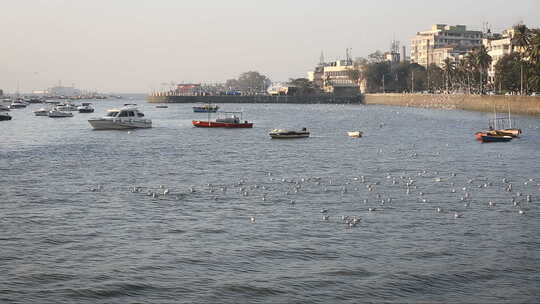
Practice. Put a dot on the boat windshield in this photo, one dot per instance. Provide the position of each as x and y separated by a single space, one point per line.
112 114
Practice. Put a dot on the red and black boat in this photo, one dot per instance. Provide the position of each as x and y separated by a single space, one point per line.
224 120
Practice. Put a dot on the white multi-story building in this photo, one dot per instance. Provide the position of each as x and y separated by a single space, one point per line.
497 46
441 42
334 77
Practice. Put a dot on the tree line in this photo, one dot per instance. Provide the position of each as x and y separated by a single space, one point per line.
516 72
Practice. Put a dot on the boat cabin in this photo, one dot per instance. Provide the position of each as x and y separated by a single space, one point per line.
129 112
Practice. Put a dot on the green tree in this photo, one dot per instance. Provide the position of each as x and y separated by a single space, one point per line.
482 60
521 40
249 82
507 71
448 68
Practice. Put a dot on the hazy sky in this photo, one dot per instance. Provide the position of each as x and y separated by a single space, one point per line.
136 45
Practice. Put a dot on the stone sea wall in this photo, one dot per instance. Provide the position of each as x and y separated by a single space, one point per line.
323 98
519 105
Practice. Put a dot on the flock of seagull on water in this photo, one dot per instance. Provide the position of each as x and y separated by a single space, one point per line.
372 193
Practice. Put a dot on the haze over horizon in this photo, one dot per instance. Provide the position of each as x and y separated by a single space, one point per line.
134 46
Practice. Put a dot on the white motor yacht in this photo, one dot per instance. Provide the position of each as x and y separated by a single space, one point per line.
17 104
42 112
86 107
4 108
67 107
127 117
56 113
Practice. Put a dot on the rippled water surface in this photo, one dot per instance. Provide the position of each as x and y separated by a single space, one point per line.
73 230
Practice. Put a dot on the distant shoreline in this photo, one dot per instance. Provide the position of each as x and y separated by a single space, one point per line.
519 105
279 99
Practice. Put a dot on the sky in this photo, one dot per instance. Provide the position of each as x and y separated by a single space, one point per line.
136 46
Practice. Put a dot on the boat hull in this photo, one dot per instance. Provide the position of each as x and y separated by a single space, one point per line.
289 135
5 117
213 124
41 113
495 138
86 110
106 124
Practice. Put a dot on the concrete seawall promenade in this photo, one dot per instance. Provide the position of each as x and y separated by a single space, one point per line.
520 105
328 99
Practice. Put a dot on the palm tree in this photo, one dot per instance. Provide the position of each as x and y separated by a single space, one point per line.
482 61
461 72
448 67
533 50
521 40
470 62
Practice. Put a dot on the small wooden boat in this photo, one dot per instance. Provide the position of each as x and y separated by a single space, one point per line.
509 132
285 134
355 134
162 107
495 138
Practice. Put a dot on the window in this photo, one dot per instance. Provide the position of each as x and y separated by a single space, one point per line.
139 114
112 114
123 114
131 114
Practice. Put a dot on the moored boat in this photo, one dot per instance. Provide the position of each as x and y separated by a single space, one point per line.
284 134
18 104
4 115
85 107
42 112
355 133
225 120
495 138
127 117
207 108
67 107
56 113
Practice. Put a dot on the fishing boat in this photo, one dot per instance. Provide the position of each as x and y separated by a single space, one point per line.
355 134
284 134
85 107
127 117
485 138
207 108
224 120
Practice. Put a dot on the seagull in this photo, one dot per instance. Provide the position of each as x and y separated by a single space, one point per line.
252 219
325 217
521 211
324 210
458 215
439 210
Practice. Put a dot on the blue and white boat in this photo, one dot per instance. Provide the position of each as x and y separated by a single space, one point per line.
207 108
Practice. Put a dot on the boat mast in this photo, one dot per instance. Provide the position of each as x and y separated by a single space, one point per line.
509 118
